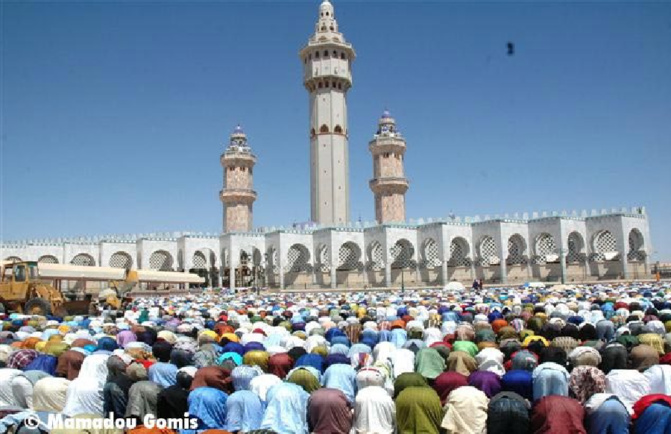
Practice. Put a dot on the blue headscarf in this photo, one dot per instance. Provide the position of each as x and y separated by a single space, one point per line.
398 337
243 375
285 412
550 379
107 344
208 405
332 333
334 359
340 340
43 362
237 358
234 347
254 346
163 374
244 411
518 381
314 360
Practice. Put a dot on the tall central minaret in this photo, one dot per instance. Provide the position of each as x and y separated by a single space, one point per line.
327 75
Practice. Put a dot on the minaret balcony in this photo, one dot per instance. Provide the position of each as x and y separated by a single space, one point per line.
237 195
236 158
385 145
398 185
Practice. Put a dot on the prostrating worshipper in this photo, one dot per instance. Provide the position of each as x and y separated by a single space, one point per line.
115 391
344 378
85 393
652 415
69 364
244 411
142 400
374 411
606 414
508 413
555 414
329 411
465 411
49 396
585 381
418 410
447 382
550 379
213 376
162 372
172 402
628 384
208 406
286 409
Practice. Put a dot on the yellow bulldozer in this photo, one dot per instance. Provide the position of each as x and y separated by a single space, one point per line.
35 288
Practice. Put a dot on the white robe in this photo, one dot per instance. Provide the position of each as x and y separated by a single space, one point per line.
374 412
659 377
629 385
6 394
85 393
466 411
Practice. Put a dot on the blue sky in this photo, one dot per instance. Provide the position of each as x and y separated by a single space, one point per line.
115 114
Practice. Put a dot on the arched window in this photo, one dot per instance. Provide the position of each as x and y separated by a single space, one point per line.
331 28
335 54
324 129
320 85
338 129
323 28
316 54
342 56
326 53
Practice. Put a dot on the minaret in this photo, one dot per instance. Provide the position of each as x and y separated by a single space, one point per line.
327 75
238 195
389 183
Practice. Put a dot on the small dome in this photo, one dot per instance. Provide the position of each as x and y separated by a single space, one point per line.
386 114
326 6
238 130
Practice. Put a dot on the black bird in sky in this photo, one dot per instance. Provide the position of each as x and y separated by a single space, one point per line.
511 48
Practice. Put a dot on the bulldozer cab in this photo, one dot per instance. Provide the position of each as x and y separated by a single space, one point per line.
16 278
22 290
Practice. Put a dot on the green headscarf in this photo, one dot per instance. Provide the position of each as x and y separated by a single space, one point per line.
305 379
418 410
408 379
429 363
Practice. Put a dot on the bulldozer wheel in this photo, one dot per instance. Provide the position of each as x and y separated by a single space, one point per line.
36 306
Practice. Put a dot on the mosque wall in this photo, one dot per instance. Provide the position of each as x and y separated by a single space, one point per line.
603 246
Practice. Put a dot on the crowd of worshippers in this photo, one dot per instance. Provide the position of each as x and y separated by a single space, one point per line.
586 359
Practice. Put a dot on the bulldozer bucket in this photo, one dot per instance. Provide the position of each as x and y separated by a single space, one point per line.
77 307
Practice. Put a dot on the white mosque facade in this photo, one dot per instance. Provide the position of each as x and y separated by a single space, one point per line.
390 252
